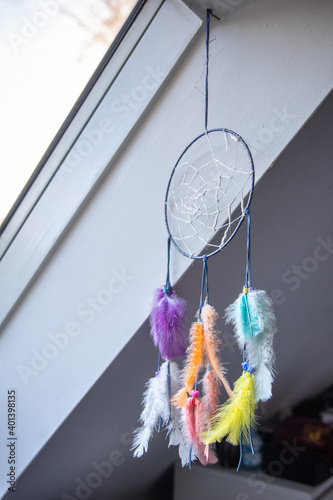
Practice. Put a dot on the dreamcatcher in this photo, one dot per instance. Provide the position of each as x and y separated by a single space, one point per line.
207 199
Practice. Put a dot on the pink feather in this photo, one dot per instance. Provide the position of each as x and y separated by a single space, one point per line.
195 418
211 391
206 455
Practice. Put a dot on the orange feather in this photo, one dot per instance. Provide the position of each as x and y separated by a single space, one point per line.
212 343
192 365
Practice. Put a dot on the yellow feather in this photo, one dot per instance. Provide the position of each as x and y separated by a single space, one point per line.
236 415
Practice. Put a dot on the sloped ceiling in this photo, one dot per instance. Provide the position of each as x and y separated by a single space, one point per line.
292 259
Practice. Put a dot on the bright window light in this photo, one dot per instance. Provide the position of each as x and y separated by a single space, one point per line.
50 49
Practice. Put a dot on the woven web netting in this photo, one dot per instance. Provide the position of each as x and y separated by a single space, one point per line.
208 193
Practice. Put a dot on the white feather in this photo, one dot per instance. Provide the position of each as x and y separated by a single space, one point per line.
174 377
177 436
175 429
259 348
155 406
184 453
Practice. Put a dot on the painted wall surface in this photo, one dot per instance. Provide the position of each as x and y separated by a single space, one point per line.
271 67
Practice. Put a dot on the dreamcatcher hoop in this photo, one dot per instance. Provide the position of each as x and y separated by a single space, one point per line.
200 198
245 207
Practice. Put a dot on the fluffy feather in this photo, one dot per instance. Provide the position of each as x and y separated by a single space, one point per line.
167 323
236 415
195 418
176 435
155 406
255 326
174 428
209 318
192 364
206 455
211 392
210 400
174 376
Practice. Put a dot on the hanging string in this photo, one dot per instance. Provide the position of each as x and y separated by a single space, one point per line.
156 375
204 281
169 392
248 281
248 284
240 450
158 363
167 281
209 14
244 357
207 286
250 434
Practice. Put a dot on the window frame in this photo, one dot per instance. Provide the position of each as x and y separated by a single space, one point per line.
31 231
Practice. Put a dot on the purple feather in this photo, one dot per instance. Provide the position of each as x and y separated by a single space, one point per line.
167 323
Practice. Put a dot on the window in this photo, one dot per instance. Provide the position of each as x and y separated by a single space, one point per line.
50 48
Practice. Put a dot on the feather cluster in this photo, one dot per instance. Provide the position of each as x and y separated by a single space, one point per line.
254 323
185 428
204 344
156 407
167 323
192 365
236 416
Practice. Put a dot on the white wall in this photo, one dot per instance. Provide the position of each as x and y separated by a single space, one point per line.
271 66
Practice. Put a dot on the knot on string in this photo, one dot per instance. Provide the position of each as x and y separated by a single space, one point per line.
211 13
247 368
